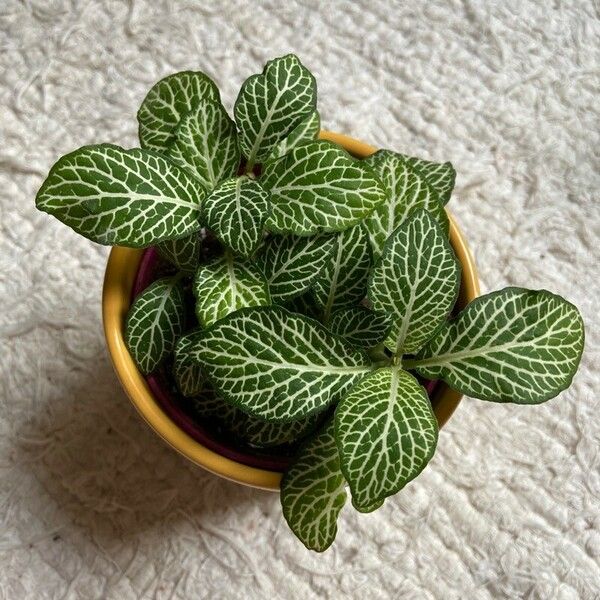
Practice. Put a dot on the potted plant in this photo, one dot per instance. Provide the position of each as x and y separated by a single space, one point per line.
304 300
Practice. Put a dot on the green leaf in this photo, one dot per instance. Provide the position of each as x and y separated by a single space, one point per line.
386 433
306 130
313 491
113 196
278 365
514 345
360 326
206 144
189 378
272 104
343 279
440 176
408 191
291 263
167 102
304 304
154 322
268 435
235 212
318 186
251 430
184 252
226 285
416 280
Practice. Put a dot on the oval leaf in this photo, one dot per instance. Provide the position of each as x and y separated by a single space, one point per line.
343 279
416 281
226 285
514 345
306 130
313 491
251 430
271 105
440 176
360 326
167 102
278 365
188 375
114 196
235 212
206 144
386 433
184 252
408 191
291 263
154 322
318 186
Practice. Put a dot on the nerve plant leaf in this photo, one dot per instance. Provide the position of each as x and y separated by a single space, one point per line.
290 263
278 365
416 280
154 322
235 212
114 196
267 435
306 130
514 345
408 191
272 104
313 491
206 144
226 285
440 176
386 433
360 326
167 102
184 252
318 186
253 431
343 279
189 378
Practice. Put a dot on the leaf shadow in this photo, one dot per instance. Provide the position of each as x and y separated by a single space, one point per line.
103 471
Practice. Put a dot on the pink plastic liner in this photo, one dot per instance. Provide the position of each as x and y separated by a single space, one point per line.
145 276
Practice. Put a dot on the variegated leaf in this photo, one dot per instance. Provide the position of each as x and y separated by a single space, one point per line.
272 104
313 491
514 345
360 326
304 304
113 196
290 263
184 252
154 322
440 176
235 212
188 375
278 365
408 191
206 144
226 285
251 430
343 279
306 130
386 433
416 280
318 186
167 102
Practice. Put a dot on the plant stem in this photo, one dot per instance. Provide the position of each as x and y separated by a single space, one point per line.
410 363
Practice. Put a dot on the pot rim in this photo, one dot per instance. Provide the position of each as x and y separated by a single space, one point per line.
119 278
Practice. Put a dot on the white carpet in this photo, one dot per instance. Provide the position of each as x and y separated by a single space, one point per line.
93 505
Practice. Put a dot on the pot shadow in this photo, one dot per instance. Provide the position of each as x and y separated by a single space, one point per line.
107 473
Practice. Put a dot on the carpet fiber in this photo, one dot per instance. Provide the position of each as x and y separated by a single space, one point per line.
94 505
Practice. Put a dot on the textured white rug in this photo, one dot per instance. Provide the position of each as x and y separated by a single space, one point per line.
93 505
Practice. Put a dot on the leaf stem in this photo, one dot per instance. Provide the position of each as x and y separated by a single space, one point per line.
411 363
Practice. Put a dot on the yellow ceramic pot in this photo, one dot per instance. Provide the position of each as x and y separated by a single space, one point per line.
120 275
